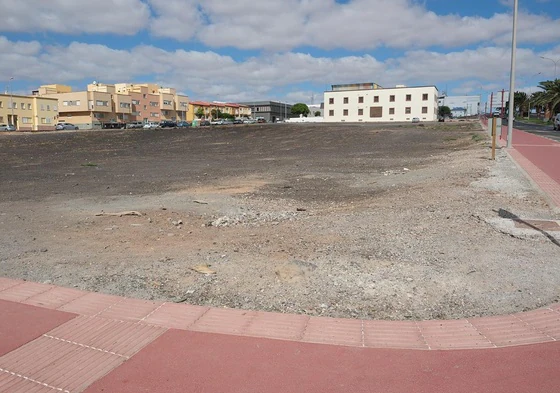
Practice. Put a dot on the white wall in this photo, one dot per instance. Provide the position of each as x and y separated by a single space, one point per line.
334 112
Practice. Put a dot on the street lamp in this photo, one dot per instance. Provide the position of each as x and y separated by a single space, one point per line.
512 75
555 63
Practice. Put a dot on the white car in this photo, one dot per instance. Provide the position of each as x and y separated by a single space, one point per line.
66 126
7 127
556 122
151 124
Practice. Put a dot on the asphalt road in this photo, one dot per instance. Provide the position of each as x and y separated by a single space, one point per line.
537 129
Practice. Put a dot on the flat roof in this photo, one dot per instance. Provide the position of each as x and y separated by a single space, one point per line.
383 88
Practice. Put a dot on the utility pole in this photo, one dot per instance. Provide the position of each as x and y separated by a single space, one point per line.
12 101
502 109
512 76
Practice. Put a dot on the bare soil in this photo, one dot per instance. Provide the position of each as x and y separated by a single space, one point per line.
371 221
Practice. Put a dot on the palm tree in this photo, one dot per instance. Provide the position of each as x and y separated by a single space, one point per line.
550 96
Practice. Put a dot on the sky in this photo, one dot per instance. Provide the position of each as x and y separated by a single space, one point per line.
289 50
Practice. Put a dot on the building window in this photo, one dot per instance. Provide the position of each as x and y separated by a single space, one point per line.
143 95
48 107
67 103
409 97
22 106
407 110
391 111
360 100
375 98
331 101
153 103
424 109
391 98
125 105
26 120
166 102
425 97
1 104
43 120
135 102
345 113
42 107
376 111
101 103
346 100
360 112
331 112
28 106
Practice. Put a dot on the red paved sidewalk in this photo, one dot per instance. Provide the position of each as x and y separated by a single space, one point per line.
539 157
65 340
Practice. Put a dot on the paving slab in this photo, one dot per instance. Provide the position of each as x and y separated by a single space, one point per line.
181 361
21 323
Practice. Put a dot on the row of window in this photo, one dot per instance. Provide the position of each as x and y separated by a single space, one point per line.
392 98
377 111
28 106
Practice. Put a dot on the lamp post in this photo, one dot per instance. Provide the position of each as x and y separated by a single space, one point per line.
12 101
512 76
554 61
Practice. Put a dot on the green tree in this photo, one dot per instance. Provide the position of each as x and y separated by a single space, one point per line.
520 101
317 113
199 113
444 111
550 97
300 109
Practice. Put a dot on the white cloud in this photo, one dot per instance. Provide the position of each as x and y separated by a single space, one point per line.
75 16
209 75
358 25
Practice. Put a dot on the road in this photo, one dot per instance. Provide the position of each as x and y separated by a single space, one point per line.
537 129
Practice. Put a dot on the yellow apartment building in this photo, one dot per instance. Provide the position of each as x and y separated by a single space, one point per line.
28 113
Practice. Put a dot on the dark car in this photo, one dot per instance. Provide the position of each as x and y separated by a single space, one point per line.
204 123
183 124
167 124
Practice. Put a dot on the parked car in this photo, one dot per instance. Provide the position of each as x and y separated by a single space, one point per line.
150 125
261 120
66 126
556 122
183 124
249 121
204 123
168 124
135 124
7 127
416 120
238 121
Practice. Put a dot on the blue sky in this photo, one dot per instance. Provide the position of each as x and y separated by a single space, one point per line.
291 50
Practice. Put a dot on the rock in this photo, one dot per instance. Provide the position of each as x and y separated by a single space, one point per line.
44 250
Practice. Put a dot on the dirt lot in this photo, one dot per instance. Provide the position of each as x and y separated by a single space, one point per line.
371 221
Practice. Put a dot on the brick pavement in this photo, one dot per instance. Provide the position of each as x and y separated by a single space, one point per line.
99 342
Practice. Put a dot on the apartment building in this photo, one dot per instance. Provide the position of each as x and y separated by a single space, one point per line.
119 103
207 110
28 113
369 102
151 102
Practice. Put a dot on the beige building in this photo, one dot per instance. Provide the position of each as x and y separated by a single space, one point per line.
28 113
369 102
103 104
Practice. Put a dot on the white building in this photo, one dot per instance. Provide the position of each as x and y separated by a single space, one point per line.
466 105
369 102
